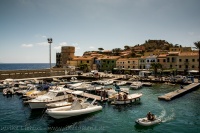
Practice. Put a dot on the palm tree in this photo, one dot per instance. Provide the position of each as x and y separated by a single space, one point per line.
156 66
197 45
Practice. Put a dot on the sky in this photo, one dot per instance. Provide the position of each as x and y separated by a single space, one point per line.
88 25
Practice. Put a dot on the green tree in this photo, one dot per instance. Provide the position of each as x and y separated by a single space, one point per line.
83 67
126 47
155 67
116 51
197 45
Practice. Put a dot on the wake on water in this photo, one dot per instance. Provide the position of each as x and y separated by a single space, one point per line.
163 116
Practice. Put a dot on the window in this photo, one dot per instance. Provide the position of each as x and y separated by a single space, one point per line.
193 60
128 61
179 66
173 59
186 60
60 94
170 66
167 59
192 66
164 60
128 66
158 60
88 61
180 60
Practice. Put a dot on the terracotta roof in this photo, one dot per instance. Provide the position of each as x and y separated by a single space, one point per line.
110 57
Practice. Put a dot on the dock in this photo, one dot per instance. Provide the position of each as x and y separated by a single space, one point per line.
88 95
171 95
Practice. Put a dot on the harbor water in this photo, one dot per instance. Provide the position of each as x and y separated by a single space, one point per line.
181 115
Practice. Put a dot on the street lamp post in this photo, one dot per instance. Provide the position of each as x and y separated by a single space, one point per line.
49 41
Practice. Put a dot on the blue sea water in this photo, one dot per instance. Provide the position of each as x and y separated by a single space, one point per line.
181 115
24 66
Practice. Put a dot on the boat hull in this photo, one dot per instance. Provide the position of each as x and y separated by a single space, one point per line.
65 112
145 122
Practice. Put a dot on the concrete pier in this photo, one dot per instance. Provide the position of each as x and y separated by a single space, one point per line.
88 95
171 95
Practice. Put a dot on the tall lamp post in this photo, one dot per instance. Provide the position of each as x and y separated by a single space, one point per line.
49 41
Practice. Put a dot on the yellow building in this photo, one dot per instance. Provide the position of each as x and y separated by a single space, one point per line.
162 60
155 52
188 61
180 49
127 63
77 61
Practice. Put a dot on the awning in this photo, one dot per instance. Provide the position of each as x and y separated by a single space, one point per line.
193 71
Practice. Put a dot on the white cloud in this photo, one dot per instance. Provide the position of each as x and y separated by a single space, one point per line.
77 48
75 44
92 47
27 45
58 47
42 44
44 36
191 33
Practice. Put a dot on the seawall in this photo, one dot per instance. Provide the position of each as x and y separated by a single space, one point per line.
20 74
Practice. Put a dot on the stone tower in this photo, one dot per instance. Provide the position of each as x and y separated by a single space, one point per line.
67 53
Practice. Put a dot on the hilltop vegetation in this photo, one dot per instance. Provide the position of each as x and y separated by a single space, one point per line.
138 49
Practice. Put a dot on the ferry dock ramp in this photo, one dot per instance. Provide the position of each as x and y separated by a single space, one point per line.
179 92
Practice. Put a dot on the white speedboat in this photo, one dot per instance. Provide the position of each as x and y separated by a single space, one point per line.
8 91
146 84
74 80
108 82
64 103
76 109
82 86
136 85
52 96
123 98
121 83
145 122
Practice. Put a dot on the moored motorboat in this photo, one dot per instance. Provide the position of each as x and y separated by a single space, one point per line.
145 122
50 97
136 85
76 109
8 91
126 99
